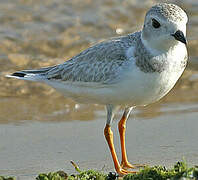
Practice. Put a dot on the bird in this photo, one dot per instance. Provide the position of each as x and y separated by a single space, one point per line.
133 70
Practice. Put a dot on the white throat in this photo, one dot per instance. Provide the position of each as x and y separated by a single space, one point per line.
157 47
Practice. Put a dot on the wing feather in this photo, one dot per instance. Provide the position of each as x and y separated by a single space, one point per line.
102 63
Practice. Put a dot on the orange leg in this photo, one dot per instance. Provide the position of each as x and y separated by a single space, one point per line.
109 137
122 129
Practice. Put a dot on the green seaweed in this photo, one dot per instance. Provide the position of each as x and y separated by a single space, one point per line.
179 171
7 178
84 175
59 175
88 175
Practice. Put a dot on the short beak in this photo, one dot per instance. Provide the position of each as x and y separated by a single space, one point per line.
179 35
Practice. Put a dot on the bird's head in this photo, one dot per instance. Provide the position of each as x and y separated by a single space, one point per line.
164 27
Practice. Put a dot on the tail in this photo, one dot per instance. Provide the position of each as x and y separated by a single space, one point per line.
31 75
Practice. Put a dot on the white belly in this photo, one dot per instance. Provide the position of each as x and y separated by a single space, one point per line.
147 87
138 88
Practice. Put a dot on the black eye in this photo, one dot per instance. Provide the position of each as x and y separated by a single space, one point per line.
155 23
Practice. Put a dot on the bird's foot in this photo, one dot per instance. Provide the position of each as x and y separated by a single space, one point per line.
122 172
127 165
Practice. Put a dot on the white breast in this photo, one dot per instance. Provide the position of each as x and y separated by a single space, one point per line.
140 88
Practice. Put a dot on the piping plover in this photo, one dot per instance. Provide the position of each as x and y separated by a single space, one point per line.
132 70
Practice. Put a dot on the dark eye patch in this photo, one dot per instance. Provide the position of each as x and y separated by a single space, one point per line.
155 23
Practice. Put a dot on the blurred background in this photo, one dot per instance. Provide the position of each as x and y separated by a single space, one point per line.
38 127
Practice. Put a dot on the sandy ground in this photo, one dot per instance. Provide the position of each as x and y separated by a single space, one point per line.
40 131
34 147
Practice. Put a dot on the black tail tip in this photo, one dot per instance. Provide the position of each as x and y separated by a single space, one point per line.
18 74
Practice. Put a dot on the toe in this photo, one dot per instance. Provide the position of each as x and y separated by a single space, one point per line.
123 172
127 165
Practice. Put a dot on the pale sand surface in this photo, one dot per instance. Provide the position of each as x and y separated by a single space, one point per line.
40 131
34 147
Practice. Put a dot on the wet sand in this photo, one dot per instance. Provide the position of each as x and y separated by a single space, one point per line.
40 131
34 147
